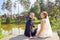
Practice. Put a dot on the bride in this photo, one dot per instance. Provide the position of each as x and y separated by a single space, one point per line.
44 28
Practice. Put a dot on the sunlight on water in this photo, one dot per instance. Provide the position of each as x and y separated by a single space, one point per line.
21 31
13 29
16 31
5 32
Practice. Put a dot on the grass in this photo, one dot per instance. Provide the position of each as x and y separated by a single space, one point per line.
2 36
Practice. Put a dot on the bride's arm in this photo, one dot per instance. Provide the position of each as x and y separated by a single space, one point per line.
41 29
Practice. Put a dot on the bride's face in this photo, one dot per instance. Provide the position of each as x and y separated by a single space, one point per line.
42 15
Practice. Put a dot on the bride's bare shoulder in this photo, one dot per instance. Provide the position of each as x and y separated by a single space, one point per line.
43 20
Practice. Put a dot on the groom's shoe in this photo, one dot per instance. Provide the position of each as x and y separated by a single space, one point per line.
31 37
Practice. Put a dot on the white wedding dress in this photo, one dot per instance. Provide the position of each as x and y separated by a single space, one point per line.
47 31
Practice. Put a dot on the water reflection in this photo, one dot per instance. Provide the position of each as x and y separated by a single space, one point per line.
12 29
5 32
16 31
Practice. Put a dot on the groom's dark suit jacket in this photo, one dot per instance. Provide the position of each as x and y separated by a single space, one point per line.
28 28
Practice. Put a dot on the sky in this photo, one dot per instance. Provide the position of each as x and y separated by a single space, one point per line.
21 8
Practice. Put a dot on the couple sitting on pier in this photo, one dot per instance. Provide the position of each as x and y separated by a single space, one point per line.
43 29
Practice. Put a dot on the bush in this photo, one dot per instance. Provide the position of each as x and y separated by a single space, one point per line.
7 20
36 20
55 18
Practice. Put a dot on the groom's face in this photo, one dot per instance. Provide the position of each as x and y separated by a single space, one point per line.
32 15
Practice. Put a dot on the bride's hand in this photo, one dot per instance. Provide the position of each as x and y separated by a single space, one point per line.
37 36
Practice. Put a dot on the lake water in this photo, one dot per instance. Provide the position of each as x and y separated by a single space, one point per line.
17 29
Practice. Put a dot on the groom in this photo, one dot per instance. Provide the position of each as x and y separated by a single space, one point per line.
29 25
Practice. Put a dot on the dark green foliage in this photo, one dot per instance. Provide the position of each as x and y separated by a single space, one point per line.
55 18
36 9
7 20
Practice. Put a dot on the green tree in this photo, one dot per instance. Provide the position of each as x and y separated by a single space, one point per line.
55 12
55 17
36 9
9 5
3 6
25 3
14 6
7 20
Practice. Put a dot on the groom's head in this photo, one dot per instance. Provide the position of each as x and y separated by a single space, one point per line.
32 15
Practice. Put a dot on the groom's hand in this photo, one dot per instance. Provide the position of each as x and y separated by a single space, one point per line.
34 26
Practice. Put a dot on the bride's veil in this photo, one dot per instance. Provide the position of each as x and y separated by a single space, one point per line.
47 19
49 25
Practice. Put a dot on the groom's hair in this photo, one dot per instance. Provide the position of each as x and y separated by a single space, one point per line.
31 13
45 13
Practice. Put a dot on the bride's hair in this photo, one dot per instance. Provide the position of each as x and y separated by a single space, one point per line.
45 13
